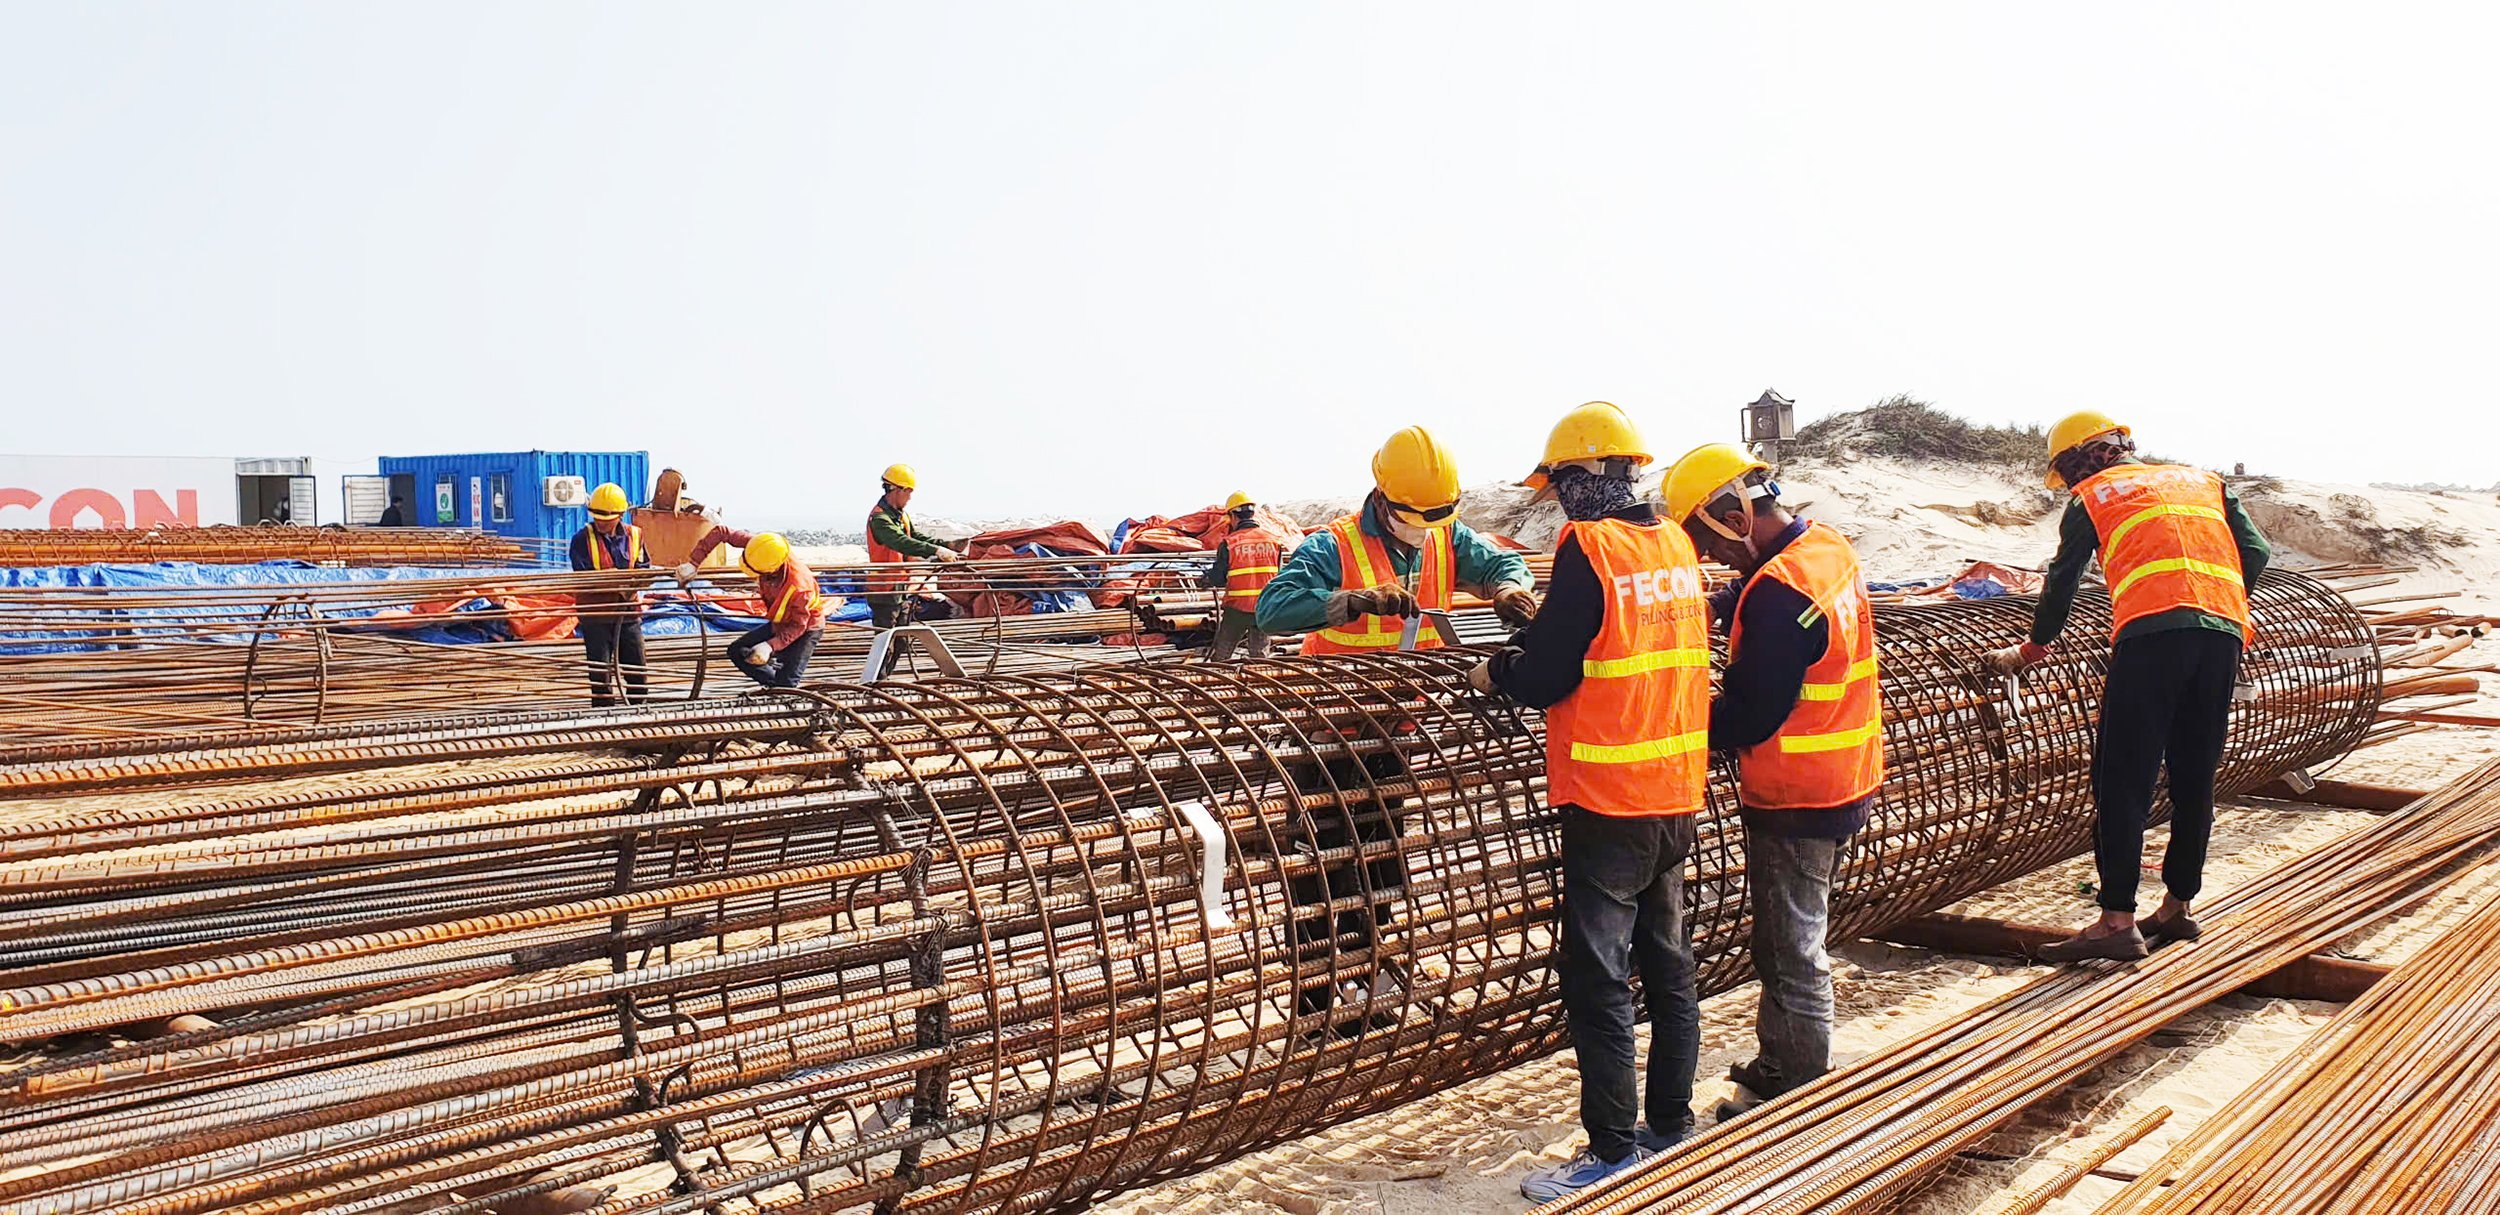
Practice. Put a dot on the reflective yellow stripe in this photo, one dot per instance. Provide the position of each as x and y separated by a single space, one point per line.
1363 571
1633 753
1806 618
1250 569
1860 670
1342 637
1639 664
2155 512
2175 565
1837 740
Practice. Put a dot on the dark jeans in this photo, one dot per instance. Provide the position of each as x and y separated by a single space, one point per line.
1316 933
885 611
1789 880
2168 704
1237 629
785 666
618 638
1623 905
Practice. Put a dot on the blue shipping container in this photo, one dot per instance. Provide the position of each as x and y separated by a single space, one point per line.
507 492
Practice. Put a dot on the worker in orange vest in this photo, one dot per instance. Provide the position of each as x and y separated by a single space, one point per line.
2178 553
1799 704
774 653
1618 657
1246 560
1350 589
892 540
610 621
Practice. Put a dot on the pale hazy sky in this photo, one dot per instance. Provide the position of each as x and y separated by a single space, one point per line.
1099 259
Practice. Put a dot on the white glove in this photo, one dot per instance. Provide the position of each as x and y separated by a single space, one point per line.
947 554
762 653
685 571
1481 677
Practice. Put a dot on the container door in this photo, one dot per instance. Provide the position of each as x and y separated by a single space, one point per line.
362 499
303 495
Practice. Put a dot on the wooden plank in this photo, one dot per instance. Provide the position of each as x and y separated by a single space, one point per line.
2316 977
2344 795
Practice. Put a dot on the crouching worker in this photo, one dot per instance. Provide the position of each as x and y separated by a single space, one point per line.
774 653
1619 658
1800 707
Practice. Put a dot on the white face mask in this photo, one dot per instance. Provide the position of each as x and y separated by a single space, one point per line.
1407 533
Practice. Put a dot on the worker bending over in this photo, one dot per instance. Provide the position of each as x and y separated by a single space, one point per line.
1246 560
892 540
773 653
610 621
1619 659
2178 553
1349 588
1800 707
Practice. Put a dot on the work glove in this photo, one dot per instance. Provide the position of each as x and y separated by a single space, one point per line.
2012 659
947 554
685 572
1515 606
1480 677
1386 599
761 653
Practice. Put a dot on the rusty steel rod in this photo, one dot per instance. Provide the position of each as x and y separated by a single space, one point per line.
1007 943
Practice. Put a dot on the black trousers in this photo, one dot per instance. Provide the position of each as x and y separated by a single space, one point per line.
618 638
1318 933
1623 907
784 668
885 611
2168 705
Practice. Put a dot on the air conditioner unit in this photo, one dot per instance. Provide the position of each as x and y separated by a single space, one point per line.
567 491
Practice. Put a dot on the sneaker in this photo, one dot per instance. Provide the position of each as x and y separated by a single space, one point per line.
1574 1175
1761 1077
1654 1142
2126 946
2159 932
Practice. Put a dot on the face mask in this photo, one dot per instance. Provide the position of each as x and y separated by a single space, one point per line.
1407 533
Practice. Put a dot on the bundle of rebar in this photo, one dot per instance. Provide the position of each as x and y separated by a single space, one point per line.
1853 1139
965 945
346 546
2393 1106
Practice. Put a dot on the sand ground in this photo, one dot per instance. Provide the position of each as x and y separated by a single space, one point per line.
1463 1152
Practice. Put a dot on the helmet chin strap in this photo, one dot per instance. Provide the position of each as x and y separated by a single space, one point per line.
1745 494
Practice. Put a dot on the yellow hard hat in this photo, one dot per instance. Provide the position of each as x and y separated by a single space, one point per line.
1237 501
2074 430
1415 473
901 476
765 553
1704 475
608 500
1595 431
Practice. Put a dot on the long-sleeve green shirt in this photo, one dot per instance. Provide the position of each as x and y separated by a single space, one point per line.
892 528
1297 600
2078 542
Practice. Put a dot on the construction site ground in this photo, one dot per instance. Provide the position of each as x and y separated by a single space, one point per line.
1464 1151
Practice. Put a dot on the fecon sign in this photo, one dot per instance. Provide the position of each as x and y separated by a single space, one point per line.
115 491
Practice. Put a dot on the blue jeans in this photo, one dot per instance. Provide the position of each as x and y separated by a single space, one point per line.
1623 905
784 668
1790 882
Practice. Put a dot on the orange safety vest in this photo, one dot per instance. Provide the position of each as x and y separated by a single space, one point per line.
1251 559
1363 563
2165 543
885 584
599 559
1830 751
1633 739
797 593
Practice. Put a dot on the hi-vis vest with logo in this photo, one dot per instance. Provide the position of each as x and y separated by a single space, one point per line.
796 596
1634 738
1830 751
1363 563
2165 543
1251 559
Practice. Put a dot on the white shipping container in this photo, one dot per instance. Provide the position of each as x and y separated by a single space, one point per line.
116 491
